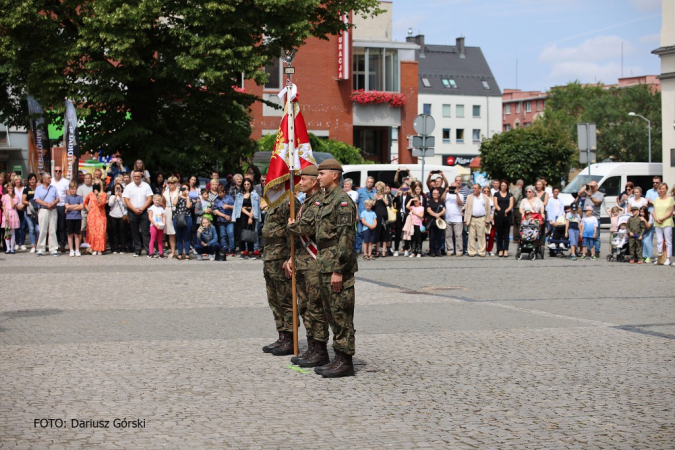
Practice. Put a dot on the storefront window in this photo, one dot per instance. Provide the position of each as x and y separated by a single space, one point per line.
359 68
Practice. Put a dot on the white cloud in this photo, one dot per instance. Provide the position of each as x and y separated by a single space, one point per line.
646 5
607 73
650 38
592 50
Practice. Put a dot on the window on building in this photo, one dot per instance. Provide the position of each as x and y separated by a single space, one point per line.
426 108
476 136
540 105
460 111
359 68
452 83
518 108
486 85
507 127
507 109
447 110
526 124
3 138
370 140
476 110
459 135
376 69
528 106
394 134
425 82
446 135
274 70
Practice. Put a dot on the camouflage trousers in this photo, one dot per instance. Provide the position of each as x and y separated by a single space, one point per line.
279 295
309 302
339 307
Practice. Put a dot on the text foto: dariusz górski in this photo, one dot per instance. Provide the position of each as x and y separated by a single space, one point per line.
89 423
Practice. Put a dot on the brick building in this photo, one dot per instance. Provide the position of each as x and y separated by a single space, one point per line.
370 61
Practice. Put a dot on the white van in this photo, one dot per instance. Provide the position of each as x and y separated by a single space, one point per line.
612 178
386 172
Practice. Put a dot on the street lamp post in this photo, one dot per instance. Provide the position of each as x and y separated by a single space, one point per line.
649 128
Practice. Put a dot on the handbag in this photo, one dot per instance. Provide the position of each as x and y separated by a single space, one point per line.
248 236
391 214
181 221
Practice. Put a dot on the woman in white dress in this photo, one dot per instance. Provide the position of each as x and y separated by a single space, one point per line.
170 194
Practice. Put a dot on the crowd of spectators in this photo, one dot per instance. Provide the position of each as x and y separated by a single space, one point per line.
130 212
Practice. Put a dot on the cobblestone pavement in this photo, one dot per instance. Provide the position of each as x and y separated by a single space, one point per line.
451 353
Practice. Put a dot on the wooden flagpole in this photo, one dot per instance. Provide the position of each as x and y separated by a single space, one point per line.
289 70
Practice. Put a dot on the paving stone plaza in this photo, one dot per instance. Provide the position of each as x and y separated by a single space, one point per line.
451 352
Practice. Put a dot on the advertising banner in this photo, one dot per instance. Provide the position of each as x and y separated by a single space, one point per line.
38 140
71 142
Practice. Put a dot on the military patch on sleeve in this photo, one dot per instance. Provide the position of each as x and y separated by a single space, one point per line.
317 203
345 219
344 204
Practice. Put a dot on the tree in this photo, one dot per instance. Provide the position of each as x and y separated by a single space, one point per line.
528 153
171 64
341 151
618 135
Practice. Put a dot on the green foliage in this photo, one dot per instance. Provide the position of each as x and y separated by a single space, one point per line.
528 153
618 135
172 65
343 152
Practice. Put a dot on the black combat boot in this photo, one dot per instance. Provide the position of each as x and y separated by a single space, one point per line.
286 346
306 353
318 358
272 346
319 369
343 368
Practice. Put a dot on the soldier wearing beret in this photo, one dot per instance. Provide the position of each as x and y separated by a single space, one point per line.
279 296
335 235
308 278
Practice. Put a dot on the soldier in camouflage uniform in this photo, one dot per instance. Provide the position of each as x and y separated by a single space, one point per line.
307 276
335 235
277 250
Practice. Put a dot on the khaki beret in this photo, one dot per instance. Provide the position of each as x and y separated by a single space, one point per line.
330 164
310 170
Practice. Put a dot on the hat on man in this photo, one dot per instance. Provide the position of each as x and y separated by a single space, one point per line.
330 164
310 171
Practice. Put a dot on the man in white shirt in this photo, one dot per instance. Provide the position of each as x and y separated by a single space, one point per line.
61 186
453 218
495 187
475 210
138 198
348 187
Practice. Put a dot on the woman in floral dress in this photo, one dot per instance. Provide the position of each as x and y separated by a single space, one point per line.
96 219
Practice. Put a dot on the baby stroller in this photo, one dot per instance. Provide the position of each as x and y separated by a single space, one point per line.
619 243
530 234
557 242
619 247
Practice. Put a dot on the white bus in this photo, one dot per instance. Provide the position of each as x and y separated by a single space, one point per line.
386 172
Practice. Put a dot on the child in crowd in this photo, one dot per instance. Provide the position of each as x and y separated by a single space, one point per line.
203 207
10 216
223 208
157 216
648 220
614 218
74 206
621 237
527 233
207 240
589 232
369 221
417 212
636 229
572 220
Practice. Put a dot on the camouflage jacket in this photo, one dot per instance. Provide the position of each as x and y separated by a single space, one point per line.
305 225
635 225
275 237
336 224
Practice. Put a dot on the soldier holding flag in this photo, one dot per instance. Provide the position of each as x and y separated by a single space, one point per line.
307 272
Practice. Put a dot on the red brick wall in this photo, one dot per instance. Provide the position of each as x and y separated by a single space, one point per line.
324 100
409 87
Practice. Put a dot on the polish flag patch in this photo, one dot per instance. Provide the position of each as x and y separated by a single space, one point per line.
344 204
317 203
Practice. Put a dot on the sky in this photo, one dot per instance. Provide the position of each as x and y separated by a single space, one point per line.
553 41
